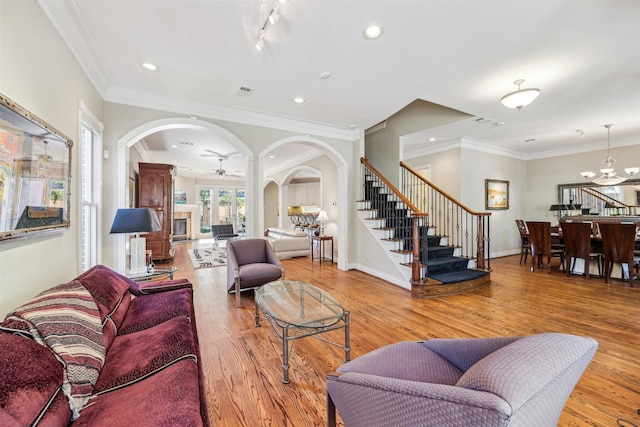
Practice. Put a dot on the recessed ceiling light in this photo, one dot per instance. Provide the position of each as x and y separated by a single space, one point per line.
298 100
432 139
174 146
271 155
149 66
372 32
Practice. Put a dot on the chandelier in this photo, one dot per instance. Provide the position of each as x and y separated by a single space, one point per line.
521 97
609 175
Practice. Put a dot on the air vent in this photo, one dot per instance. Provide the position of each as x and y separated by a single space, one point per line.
482 120
529 140
187 143
244 91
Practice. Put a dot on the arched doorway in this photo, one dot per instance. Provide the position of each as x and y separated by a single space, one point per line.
335 202
132 137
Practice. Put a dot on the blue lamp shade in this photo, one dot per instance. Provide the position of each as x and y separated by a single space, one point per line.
135 220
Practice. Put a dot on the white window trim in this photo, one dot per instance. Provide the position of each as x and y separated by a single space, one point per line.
85 116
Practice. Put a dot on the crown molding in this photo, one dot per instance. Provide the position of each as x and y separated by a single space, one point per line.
292 162
490 148
68 20
157 102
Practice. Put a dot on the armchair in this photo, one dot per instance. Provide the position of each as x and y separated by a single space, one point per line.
250 264
503 381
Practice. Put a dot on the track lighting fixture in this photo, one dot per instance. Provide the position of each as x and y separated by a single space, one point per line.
272 18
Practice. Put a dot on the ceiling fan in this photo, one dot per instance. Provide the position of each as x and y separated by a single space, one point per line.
222 173
211 153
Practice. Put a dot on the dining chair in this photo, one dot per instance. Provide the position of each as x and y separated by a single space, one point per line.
525 246
540 240
577 243
618 243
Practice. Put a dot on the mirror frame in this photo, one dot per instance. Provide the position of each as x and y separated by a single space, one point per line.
35 188
578 185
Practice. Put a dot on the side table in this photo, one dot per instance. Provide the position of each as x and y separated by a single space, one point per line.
321 240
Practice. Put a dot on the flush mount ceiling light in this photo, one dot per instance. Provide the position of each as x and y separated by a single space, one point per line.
372 32
298 100
609 175
521 97
272 18
149 66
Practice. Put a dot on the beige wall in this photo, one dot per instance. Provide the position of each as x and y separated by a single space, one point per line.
382 147
46 80
476 167
272 210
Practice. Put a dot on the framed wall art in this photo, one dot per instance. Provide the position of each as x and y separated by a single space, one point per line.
35 174
496 194
180 197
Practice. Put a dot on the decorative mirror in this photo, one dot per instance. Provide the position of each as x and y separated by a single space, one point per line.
615 200
35 178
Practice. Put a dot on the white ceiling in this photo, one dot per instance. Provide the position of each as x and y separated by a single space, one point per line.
584 56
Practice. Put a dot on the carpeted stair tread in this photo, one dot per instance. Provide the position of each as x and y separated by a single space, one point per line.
458 276
446 265
435 252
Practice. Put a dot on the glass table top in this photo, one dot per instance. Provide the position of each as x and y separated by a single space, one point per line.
298 304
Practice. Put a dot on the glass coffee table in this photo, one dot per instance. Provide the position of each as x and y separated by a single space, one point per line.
155 274
297 310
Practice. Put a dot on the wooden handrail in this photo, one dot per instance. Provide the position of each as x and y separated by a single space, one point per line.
397 192
444 193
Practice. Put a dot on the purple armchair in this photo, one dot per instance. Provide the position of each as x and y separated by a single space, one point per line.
250 264
505 381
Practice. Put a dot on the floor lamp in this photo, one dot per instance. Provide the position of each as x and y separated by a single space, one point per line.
136 221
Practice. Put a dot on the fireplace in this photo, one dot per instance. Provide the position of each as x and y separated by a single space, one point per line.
180 228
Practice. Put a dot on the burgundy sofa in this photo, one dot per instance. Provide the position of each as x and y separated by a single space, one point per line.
122 353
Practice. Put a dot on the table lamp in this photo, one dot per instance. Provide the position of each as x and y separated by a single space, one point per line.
322 217
136 221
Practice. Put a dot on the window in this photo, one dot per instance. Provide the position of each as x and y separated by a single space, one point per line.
89 150
221 206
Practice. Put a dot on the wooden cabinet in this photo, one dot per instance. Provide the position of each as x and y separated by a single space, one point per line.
155 191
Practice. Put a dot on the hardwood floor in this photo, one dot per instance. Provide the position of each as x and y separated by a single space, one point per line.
242 363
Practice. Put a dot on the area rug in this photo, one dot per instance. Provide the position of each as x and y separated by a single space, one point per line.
208 257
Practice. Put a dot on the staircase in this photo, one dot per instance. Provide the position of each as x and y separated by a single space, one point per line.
395 220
